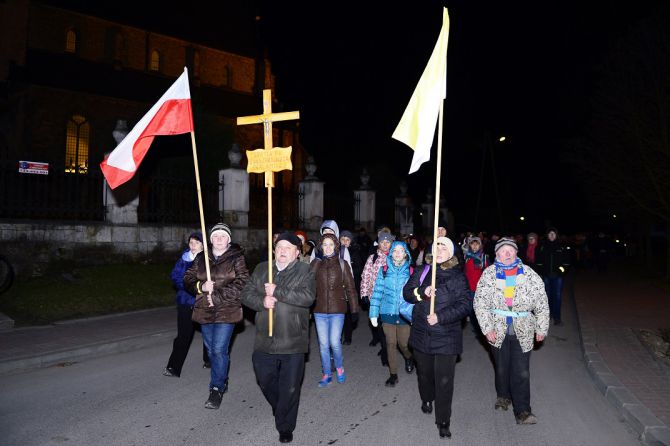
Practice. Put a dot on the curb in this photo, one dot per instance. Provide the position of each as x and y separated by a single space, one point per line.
652 431
94 350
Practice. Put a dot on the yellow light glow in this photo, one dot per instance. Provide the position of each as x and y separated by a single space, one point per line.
502 138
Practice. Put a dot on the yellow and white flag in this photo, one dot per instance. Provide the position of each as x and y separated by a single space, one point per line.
417 125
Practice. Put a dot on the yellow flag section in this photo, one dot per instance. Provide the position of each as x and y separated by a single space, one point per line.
272 160
417 125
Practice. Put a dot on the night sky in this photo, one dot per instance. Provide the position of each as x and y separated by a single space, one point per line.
525 70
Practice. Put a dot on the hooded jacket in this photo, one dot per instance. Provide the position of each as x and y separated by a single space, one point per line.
387 295
183 297
334 286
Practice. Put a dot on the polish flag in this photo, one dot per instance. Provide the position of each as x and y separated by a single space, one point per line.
171 115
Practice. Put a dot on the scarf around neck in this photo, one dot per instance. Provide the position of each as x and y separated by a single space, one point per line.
507 276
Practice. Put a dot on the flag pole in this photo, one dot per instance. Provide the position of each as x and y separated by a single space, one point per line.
202 214
437 203
270 312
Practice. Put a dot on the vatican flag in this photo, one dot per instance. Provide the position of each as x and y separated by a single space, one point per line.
417 125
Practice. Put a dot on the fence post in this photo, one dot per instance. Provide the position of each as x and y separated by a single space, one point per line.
311 192
365 204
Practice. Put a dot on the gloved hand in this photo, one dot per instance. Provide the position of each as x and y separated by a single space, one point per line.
365 302
354 318
373 321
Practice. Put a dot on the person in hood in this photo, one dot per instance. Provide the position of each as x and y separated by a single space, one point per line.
217 305
385 308
331 227
437 338
185 301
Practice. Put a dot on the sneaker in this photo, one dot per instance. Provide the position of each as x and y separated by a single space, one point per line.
409 365
214 400
341 376
526 418
325 380
392 381
427 407
502 403
169 371
285 437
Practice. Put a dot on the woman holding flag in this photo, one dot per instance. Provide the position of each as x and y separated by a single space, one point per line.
218 307
436 338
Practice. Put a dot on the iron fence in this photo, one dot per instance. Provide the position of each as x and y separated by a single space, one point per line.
60 195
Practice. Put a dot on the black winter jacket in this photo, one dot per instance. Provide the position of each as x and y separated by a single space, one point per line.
451 306
295 294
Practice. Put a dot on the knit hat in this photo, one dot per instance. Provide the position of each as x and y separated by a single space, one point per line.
291 238
449 244
195 235
533 234
474 238
382 236
347 234
220 227
552 229
506 241
301 234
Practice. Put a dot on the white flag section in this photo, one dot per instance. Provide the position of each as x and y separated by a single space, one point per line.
171 115
417 125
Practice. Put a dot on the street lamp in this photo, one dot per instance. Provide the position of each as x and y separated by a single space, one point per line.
522 218
502 139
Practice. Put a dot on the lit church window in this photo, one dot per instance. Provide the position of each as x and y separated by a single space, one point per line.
71 41
76 145
155 63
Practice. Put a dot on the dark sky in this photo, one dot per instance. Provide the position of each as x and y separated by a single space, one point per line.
521 69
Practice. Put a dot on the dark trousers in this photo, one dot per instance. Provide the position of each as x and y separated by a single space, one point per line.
181 344
436 382
554 288
513 373
280 380
348 327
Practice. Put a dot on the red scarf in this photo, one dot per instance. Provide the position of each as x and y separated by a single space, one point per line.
530 253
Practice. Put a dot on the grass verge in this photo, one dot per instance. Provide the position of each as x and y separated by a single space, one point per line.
88 291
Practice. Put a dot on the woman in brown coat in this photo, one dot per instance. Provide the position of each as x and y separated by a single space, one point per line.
334 287
217 305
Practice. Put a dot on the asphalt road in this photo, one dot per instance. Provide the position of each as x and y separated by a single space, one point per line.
124 400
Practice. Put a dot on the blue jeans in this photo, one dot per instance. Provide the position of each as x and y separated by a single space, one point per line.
217 340
329 331
554 288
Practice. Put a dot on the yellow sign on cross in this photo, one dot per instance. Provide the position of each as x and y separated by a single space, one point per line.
272 160
267 118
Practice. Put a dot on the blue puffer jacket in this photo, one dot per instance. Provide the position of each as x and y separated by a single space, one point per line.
387 295
183 297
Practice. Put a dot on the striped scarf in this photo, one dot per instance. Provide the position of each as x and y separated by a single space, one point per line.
506 276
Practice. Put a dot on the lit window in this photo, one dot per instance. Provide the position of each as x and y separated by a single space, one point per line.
155 64
71 41
76 145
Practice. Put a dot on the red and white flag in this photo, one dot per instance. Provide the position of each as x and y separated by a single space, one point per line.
171 115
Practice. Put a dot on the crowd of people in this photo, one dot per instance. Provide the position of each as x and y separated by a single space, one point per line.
508 288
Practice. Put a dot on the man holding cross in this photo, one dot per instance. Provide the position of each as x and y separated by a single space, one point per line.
279 360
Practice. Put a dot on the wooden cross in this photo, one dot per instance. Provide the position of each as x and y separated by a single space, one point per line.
267 118
269 160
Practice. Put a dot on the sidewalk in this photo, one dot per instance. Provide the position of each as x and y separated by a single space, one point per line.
610 308
75 340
